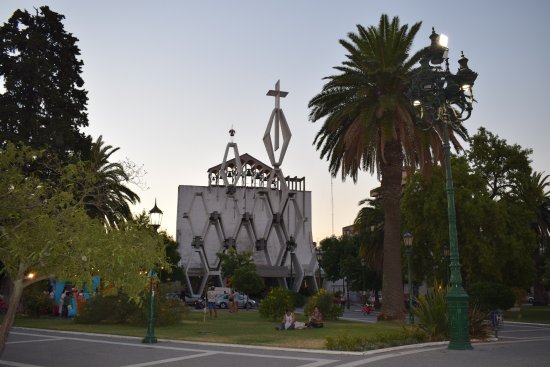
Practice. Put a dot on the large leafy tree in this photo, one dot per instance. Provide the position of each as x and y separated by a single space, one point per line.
496 237
45 230
503 166
535 193
43 104
340 260
369 125
241 270
497 213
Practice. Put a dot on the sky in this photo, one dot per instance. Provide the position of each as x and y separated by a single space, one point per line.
166 80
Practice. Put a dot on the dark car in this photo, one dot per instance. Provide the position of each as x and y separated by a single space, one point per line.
243 301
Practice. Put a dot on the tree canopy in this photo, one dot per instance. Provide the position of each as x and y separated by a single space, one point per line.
45 231
494 218
369 125
44 103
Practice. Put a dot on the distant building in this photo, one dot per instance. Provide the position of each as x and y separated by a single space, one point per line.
348 230
249 206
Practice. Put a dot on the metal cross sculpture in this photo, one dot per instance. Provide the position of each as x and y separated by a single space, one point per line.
278 117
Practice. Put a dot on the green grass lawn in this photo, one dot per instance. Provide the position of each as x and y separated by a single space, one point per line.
245 327
536 314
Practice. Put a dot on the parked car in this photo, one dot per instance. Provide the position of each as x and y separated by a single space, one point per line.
191 300
173 296
243 301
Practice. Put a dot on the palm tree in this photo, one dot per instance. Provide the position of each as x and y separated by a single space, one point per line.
108 198
369 125
369 226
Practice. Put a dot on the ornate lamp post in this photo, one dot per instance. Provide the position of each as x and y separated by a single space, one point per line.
290 247
408 241
446 254
155 216
363 292
440 98
319 256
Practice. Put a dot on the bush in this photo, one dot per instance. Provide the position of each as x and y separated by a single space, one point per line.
432 317
431 314
110 309
408 335
325 301
36 300
119 309
479 327
274 305
298 299
490 296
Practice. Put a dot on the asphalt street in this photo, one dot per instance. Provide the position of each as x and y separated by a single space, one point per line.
518 345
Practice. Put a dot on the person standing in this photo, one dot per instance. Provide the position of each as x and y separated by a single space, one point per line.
231 299
235 301
211 299
343 300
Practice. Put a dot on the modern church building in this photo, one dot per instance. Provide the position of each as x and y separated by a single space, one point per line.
249 206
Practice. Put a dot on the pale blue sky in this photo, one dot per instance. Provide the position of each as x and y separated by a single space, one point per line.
167 79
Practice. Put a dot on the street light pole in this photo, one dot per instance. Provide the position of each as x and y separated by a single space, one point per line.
363 264
446 253
408 240
155 216
439 99
319 255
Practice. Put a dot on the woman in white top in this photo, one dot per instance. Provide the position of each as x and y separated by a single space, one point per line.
289 319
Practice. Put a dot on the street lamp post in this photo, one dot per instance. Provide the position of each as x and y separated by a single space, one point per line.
319 256
363 293
408 241
155 216
290 247
440 98
446 254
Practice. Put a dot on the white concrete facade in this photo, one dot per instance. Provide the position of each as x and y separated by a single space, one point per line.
210 220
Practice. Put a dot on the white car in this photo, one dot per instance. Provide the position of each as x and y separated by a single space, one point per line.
242 301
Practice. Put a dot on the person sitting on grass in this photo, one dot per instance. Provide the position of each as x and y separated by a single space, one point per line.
316 318
289 320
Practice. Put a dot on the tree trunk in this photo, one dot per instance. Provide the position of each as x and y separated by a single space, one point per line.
392 282
7 323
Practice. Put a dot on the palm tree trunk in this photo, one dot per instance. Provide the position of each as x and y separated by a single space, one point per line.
392 283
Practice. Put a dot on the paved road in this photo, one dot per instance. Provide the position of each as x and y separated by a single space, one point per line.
518 345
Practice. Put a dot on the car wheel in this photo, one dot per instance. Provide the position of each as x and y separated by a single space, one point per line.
223 305
248 306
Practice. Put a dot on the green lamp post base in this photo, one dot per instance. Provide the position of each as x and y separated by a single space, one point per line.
457 301
149 339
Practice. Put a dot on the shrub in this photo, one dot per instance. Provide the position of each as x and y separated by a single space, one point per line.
274 305
36 301
119 309
325 301
408 335
491 296
521 296
110 309
479 327
431 314
298 299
